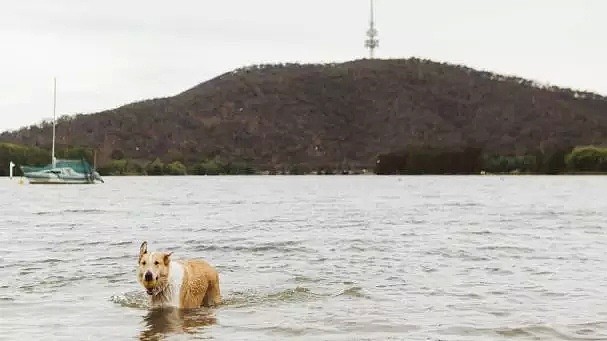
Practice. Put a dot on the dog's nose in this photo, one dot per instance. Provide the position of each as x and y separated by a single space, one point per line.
148 276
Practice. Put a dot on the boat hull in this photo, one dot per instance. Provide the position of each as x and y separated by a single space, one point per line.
39 181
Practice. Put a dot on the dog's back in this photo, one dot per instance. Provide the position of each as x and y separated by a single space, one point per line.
200 284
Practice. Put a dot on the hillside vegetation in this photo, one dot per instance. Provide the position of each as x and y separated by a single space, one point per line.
334 117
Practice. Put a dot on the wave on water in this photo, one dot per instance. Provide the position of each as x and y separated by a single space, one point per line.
138 299
60 212
588 331
353 292
131 299
254 298
280 247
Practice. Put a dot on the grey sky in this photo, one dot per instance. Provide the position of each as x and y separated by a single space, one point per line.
112 52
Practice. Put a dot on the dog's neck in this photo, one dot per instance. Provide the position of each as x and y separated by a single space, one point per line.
169 294
163 295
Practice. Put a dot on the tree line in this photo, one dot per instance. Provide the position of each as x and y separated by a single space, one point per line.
411 160
424 160
157 167
34 156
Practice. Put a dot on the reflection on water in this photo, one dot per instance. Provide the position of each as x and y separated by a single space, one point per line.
158 323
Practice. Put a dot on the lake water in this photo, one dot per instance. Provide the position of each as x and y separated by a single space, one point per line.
312 257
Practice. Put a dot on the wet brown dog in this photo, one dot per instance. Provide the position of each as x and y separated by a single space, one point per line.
174 283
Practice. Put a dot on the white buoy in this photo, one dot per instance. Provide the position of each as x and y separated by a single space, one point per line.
11 165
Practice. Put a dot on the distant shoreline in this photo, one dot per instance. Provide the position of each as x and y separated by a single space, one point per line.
568 174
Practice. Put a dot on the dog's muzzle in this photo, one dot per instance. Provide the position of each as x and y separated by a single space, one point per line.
150 283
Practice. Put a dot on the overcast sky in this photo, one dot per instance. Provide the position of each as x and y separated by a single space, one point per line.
113 52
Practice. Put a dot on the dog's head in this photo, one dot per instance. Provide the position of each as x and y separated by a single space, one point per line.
153 269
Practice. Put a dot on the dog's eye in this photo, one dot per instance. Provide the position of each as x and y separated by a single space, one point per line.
156 263
143 263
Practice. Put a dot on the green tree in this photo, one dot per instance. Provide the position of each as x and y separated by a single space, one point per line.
155 168
209 167
587 159
175 168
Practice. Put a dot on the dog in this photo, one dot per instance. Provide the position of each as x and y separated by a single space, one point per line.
186 284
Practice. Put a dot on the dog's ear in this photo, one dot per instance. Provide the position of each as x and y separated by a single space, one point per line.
143 249
167 258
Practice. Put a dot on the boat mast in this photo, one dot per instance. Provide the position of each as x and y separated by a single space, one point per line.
53 161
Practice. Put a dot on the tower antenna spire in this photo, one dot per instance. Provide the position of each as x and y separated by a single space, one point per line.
372 42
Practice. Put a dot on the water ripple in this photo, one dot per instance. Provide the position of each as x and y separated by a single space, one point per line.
376 258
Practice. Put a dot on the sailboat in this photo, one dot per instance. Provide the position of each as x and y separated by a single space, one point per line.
61 171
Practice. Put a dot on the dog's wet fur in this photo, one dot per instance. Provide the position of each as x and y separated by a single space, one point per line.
177 283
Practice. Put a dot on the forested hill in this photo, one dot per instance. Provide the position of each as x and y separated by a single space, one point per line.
338 116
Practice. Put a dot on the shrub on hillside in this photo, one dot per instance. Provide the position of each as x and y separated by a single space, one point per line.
155 168
175 168
587 159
